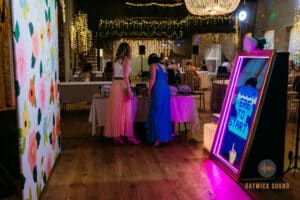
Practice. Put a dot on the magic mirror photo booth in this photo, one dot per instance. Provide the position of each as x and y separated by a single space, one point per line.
250 136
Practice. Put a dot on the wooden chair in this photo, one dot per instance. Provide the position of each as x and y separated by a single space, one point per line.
190 79
195 83
200 92
183 78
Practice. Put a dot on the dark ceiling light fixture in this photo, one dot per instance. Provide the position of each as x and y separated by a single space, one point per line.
149 4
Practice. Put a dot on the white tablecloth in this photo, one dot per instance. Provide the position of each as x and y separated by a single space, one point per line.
73 92
183 109
205 83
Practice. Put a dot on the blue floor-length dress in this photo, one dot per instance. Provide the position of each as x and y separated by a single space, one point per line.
159 116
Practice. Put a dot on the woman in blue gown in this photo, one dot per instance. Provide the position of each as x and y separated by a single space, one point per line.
159 117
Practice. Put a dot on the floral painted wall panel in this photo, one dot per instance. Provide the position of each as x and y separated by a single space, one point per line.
35 34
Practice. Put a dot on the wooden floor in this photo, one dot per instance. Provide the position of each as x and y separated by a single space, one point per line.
95 168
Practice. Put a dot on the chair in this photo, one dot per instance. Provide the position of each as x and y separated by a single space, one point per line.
190 79
293 98
200 92
218 93
222 72
183 78
195 83
183 89
292 107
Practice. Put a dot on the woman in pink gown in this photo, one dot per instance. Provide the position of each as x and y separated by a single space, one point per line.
119 120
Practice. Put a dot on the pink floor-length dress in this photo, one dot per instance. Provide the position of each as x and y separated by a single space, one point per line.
119 121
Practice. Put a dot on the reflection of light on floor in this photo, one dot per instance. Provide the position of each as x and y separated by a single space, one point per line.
223 186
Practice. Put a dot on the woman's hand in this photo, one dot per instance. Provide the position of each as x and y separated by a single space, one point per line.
130 94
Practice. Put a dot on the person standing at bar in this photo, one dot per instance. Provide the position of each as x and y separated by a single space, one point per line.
159 116
119 122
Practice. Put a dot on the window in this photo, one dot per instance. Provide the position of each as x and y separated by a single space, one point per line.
294 42
269 36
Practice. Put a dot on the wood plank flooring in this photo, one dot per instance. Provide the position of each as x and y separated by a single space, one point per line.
92 168
96 168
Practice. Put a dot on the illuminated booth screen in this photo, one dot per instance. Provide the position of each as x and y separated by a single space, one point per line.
241 109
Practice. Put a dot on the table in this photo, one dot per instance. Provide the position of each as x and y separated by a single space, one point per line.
97 75
183 109
74 92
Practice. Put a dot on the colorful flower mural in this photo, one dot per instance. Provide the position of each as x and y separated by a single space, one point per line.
32 151
36 58
31 93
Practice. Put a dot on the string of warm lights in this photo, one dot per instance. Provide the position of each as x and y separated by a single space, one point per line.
81 36
237 36
215 37
153 4
153 27
157 46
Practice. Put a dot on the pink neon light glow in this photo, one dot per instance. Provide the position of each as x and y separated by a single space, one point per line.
226 105
223 120
230 93
222 186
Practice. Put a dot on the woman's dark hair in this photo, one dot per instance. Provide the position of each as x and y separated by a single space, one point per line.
108 67
153 58
251 82
108 64
87 67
